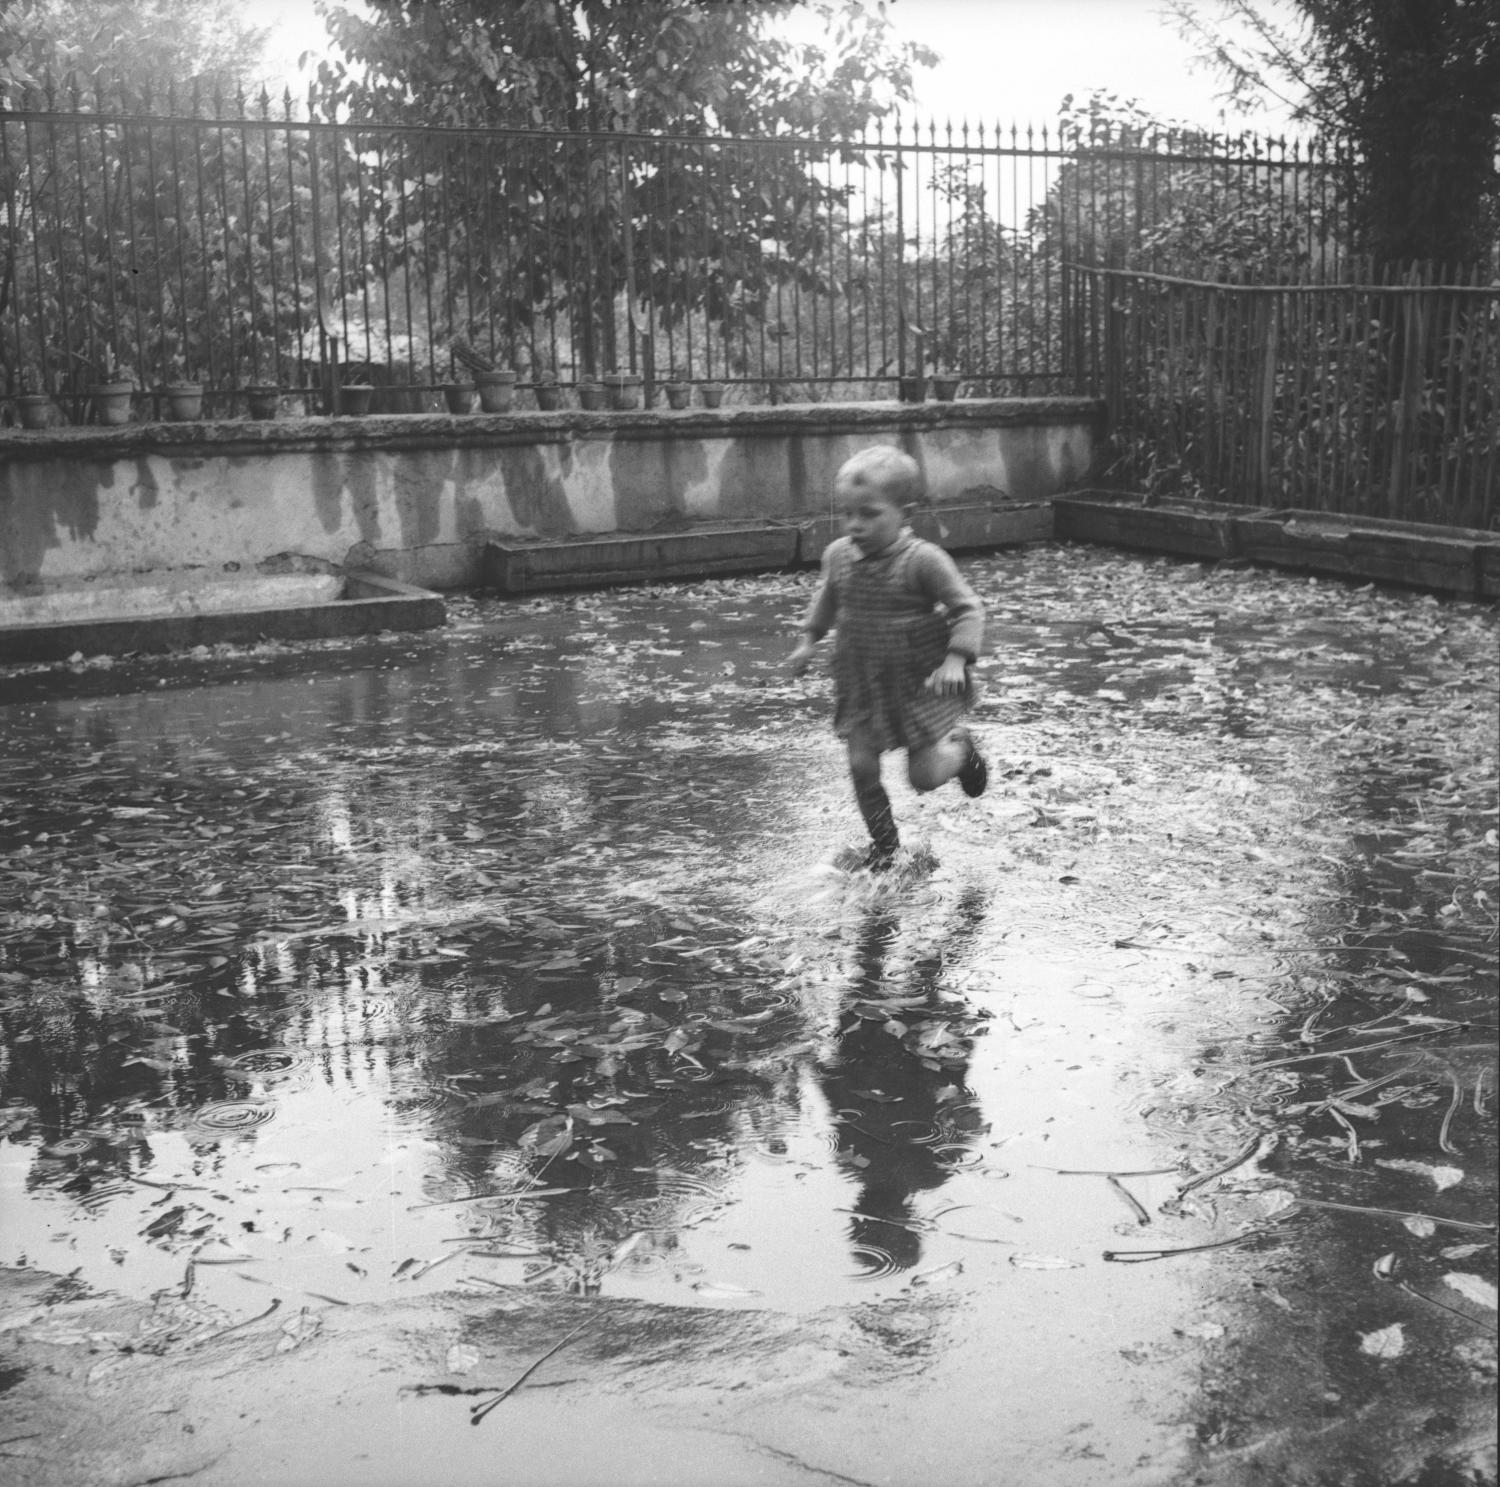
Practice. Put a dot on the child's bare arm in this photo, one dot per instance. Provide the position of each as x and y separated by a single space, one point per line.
802 654
817 622
951 678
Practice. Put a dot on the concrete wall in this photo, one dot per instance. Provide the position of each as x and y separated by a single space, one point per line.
413 496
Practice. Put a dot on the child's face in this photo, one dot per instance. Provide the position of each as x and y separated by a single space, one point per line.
873 519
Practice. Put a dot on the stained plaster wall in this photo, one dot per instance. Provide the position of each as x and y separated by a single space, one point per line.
414 496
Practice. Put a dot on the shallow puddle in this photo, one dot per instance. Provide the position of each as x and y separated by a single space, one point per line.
521 956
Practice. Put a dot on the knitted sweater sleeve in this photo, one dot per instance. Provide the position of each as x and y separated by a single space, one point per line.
935 576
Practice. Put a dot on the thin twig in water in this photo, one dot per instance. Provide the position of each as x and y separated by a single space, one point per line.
1237 1160
1411 1290
513 1195
1351 1136
1141 1216
1248 954
1396 1213
917 1226
441 1260
1305 1058
479 1411
248 1322
164 1187
1478 1093
1444 1144
1366 1086
1104 1171
1136 1256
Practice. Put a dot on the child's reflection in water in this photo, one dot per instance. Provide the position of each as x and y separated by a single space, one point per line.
896 1080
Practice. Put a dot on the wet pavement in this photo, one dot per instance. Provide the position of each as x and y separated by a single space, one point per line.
374 1014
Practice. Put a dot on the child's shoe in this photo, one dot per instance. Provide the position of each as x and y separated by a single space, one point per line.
973 773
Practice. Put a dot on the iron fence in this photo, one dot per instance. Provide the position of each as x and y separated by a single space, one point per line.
242 242
1379 395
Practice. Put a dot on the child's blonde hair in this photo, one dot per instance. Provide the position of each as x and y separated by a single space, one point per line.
886 470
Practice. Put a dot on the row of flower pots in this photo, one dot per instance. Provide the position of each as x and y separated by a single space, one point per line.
944 385
493 391
181 402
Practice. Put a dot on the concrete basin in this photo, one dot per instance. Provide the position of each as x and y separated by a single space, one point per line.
121 615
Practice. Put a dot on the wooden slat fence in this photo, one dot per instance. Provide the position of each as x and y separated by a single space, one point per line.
1376 397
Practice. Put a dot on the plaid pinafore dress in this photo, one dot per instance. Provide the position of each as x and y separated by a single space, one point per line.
888 640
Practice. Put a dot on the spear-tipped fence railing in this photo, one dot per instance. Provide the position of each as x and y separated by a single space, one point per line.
244 241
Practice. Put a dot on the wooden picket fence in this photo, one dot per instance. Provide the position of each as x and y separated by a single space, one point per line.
1374 396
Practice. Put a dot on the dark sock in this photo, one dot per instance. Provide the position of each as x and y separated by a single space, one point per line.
875 807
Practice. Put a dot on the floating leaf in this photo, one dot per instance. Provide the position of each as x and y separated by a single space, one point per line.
550 1137
950 1271
1472 1287
1388 1342
460 1358
299 1329
1440 1177
1043 1262
1205 1331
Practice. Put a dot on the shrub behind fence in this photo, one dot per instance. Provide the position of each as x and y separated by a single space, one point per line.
1378 396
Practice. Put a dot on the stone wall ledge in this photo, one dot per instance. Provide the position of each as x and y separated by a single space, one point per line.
444 430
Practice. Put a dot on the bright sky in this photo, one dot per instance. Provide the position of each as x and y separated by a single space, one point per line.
1003 59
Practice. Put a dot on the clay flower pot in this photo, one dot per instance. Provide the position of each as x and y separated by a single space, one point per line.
712 394
945 386
548 396
497 390
624 390
355 399
679 394
264 400
184 401
34 410
459 397
112 401
912 389
593 396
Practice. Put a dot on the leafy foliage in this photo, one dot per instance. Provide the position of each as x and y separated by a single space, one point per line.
141 245
637 65
131 41
747 223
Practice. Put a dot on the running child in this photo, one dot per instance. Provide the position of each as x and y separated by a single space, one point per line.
908 632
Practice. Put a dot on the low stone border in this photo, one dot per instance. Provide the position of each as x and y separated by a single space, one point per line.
1453 560
367 605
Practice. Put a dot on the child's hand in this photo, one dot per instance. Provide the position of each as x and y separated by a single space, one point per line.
951 679
801 658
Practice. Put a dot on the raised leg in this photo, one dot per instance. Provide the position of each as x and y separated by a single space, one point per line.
950 757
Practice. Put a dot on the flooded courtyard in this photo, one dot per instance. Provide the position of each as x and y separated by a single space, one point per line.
381 1019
